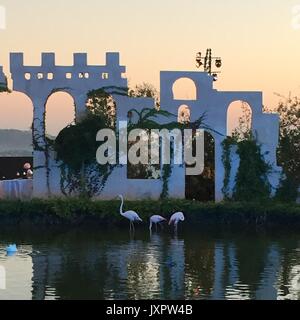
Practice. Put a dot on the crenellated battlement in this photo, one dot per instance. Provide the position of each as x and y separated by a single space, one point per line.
79 75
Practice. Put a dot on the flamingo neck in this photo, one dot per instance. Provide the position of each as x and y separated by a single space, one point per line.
121 207
150 227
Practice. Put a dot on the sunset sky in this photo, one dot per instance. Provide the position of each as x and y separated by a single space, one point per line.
257 40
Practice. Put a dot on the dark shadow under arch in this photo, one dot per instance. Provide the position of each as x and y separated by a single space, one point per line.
202 187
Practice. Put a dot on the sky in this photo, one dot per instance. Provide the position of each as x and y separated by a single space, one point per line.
258 40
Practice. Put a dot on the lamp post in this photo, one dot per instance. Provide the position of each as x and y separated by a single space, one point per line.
207 62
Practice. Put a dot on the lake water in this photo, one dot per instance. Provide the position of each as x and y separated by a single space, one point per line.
95 263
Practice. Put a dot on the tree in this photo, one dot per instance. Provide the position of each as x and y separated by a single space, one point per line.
76 147
289 147
243 130
251 181
100 103
145 90
289 144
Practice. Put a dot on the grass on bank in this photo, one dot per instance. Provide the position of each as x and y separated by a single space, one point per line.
80 211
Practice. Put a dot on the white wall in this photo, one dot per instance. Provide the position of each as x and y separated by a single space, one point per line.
210 101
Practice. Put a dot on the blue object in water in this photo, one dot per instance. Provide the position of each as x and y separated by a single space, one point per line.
12 248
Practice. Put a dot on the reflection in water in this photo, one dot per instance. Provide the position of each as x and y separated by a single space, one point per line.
176 266
268 282
18 271
97 264
218 268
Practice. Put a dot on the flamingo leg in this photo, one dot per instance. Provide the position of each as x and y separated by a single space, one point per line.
176 228
133 227
156 227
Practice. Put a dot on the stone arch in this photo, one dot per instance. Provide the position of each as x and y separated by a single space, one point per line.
16 116
184 89
184 114
59 112
16 111
239 118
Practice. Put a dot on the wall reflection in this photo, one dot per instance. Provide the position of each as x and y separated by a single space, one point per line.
92 265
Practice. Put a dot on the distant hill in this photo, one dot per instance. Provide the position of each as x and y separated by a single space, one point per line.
15 143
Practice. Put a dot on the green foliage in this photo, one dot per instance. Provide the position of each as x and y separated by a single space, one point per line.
145 90
243 130
202 187
147 119
289 148
167 171
288 190
76 144
226 159
78 211
251 183
76 148
2 88
100 103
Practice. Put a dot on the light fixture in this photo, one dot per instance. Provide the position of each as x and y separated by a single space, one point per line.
218 63
198 60
208 62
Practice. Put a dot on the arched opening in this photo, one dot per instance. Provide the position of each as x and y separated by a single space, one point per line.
184 89
16 115
184 114
16 111
60 112
239 119
202 187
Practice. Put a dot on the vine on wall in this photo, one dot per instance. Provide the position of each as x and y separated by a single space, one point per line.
76 148
251 181
145 119
167 172
226 159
